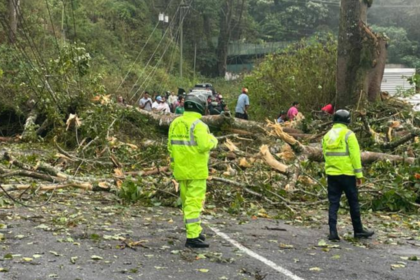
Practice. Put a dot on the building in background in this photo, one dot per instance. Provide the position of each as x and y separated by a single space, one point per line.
395 79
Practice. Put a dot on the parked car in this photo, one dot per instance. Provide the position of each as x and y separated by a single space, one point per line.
204 86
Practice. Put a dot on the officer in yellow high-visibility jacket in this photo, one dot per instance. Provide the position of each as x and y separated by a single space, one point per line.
189 144
344 173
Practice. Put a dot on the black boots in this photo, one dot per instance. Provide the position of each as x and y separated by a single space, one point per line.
333 236
202 237
196 243
363 233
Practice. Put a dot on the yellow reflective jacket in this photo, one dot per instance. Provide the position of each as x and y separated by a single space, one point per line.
189 144
341 152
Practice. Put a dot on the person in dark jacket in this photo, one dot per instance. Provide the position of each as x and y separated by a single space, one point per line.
344 173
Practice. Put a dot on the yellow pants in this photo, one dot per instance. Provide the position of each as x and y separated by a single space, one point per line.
193 194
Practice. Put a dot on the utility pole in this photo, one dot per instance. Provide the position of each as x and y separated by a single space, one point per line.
182 7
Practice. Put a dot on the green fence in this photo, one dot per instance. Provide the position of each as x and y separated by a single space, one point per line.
239 49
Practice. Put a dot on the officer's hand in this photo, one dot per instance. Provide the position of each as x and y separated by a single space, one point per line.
358 182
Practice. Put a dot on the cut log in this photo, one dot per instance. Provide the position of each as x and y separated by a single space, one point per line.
272 162
221 122
314 153
8 139
415 132
50 187
155 171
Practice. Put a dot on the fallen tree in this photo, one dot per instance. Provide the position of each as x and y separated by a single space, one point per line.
311 152
224 122
271 170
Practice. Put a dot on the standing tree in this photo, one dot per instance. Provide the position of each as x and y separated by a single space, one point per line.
228 22
361 56
13 22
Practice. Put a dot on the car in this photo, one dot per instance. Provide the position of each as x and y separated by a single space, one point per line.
204 86
204 92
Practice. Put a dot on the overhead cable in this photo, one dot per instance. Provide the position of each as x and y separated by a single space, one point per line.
141 51
154 53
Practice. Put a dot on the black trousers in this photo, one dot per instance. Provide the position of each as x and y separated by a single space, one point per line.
241 116
336 186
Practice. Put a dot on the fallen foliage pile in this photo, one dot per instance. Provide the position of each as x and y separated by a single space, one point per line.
255 163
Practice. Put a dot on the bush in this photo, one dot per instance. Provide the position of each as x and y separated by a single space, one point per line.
304 72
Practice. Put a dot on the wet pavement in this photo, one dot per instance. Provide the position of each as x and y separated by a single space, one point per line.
89 237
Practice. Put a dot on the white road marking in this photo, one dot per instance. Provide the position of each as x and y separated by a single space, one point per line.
265 261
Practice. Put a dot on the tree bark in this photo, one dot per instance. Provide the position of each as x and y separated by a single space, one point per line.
361 56
313 153
13 22
221 122
227 14
224 37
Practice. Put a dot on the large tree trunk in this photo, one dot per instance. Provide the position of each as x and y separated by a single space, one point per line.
289 135
221 122
227 24
376 73
361 56
224 37
13 22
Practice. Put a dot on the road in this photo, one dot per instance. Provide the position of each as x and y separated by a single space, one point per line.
77 237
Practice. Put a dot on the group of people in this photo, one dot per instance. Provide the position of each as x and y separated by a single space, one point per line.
216 105
172 103
242 107
169 103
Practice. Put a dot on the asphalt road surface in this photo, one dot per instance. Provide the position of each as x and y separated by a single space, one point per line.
83 240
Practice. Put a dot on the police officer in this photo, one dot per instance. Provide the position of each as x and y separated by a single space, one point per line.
344 173
189 145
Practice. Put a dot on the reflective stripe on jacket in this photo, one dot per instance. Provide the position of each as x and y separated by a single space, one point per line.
341 152
189 144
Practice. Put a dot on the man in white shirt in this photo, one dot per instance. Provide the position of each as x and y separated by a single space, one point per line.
156 103
172 98
146 102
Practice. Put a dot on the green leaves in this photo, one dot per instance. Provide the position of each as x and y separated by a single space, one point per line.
303 72
130 191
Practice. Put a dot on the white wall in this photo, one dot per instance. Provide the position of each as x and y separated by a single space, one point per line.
395 78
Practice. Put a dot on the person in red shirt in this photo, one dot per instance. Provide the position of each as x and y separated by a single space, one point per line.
329 109
293 111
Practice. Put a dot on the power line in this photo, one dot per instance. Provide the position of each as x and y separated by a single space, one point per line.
146 81
139 54
155 67
52 26
29 39
338 3
25 56
148 62
394 6
74 21
35 51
